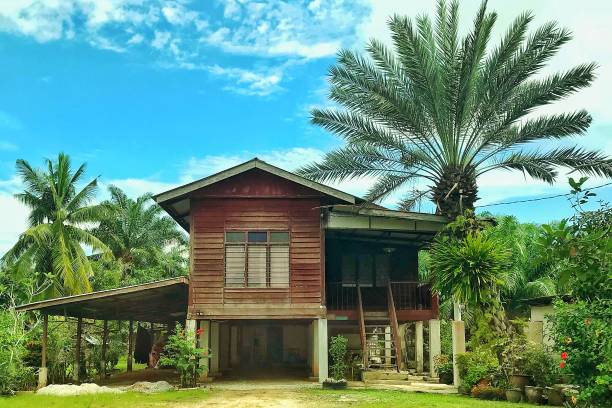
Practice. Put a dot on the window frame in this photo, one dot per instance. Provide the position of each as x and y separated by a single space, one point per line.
245 244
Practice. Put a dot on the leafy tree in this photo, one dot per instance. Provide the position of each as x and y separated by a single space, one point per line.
581 247
442 110
141 237
528 275
57 234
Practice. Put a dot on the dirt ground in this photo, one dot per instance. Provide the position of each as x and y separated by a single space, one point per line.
270 398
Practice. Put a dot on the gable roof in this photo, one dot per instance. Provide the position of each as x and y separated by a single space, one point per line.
176 200
254 163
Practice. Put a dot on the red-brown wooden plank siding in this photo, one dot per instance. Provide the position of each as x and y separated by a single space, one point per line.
235 205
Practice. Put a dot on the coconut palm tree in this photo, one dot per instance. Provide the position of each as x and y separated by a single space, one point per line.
137 231
57 234
441 110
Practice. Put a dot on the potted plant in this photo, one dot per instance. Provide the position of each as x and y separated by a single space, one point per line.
514 360
444 368
541 366
337 351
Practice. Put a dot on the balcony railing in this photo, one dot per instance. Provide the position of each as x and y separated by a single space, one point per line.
407 295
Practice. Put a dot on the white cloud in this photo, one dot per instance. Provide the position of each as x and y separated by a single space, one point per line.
161 39
248 82
136 39
135 187
13 219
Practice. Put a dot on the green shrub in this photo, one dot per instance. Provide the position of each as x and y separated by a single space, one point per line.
337 351
477 366
14 375
181 352
583 331
444 368
541 366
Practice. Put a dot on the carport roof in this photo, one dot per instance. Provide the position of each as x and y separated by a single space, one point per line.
157 302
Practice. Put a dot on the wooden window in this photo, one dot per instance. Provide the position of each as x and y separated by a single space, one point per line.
257 259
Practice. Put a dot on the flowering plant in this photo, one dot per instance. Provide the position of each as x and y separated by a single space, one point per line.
181 352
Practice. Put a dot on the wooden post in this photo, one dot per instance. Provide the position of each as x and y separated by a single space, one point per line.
130 346
103 353
77 351
42 374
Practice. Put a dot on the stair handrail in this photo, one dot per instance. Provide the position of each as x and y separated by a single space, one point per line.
362 335
394 327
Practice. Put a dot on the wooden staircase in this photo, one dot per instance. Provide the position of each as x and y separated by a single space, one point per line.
380 342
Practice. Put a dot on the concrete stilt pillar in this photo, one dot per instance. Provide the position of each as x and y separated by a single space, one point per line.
203 342
418 341
214 348
319 349
458 348
402 339
434 345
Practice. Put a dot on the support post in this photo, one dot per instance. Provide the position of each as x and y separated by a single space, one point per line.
43 372
418 343
319 350
103 351
130 356
214 348
458 348
77 352
404 347
434 345
203 342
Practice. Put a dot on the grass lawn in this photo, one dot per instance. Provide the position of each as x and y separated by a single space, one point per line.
255 398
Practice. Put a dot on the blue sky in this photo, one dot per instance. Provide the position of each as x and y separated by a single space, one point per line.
152 94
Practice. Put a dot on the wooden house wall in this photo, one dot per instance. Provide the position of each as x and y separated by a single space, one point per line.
256 202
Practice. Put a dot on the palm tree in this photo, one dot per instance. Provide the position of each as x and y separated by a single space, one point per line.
528 274
56 235
443 110
137 232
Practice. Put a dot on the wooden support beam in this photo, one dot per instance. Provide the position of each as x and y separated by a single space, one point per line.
130 356
42 374
103 352
77 352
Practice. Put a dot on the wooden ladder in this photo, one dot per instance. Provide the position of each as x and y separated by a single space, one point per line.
379 334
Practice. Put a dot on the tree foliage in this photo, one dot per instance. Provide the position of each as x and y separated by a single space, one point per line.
440 109
145 243
57 233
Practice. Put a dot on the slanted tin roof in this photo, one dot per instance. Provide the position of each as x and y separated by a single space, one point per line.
162 301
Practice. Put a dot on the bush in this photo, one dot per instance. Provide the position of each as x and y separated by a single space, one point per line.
477 366
541 366
444 368
181 352
337 351
582 331
14 375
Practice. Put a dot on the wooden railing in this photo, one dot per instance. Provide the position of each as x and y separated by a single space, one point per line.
394 328
411 295
407 295
362 334
339 297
